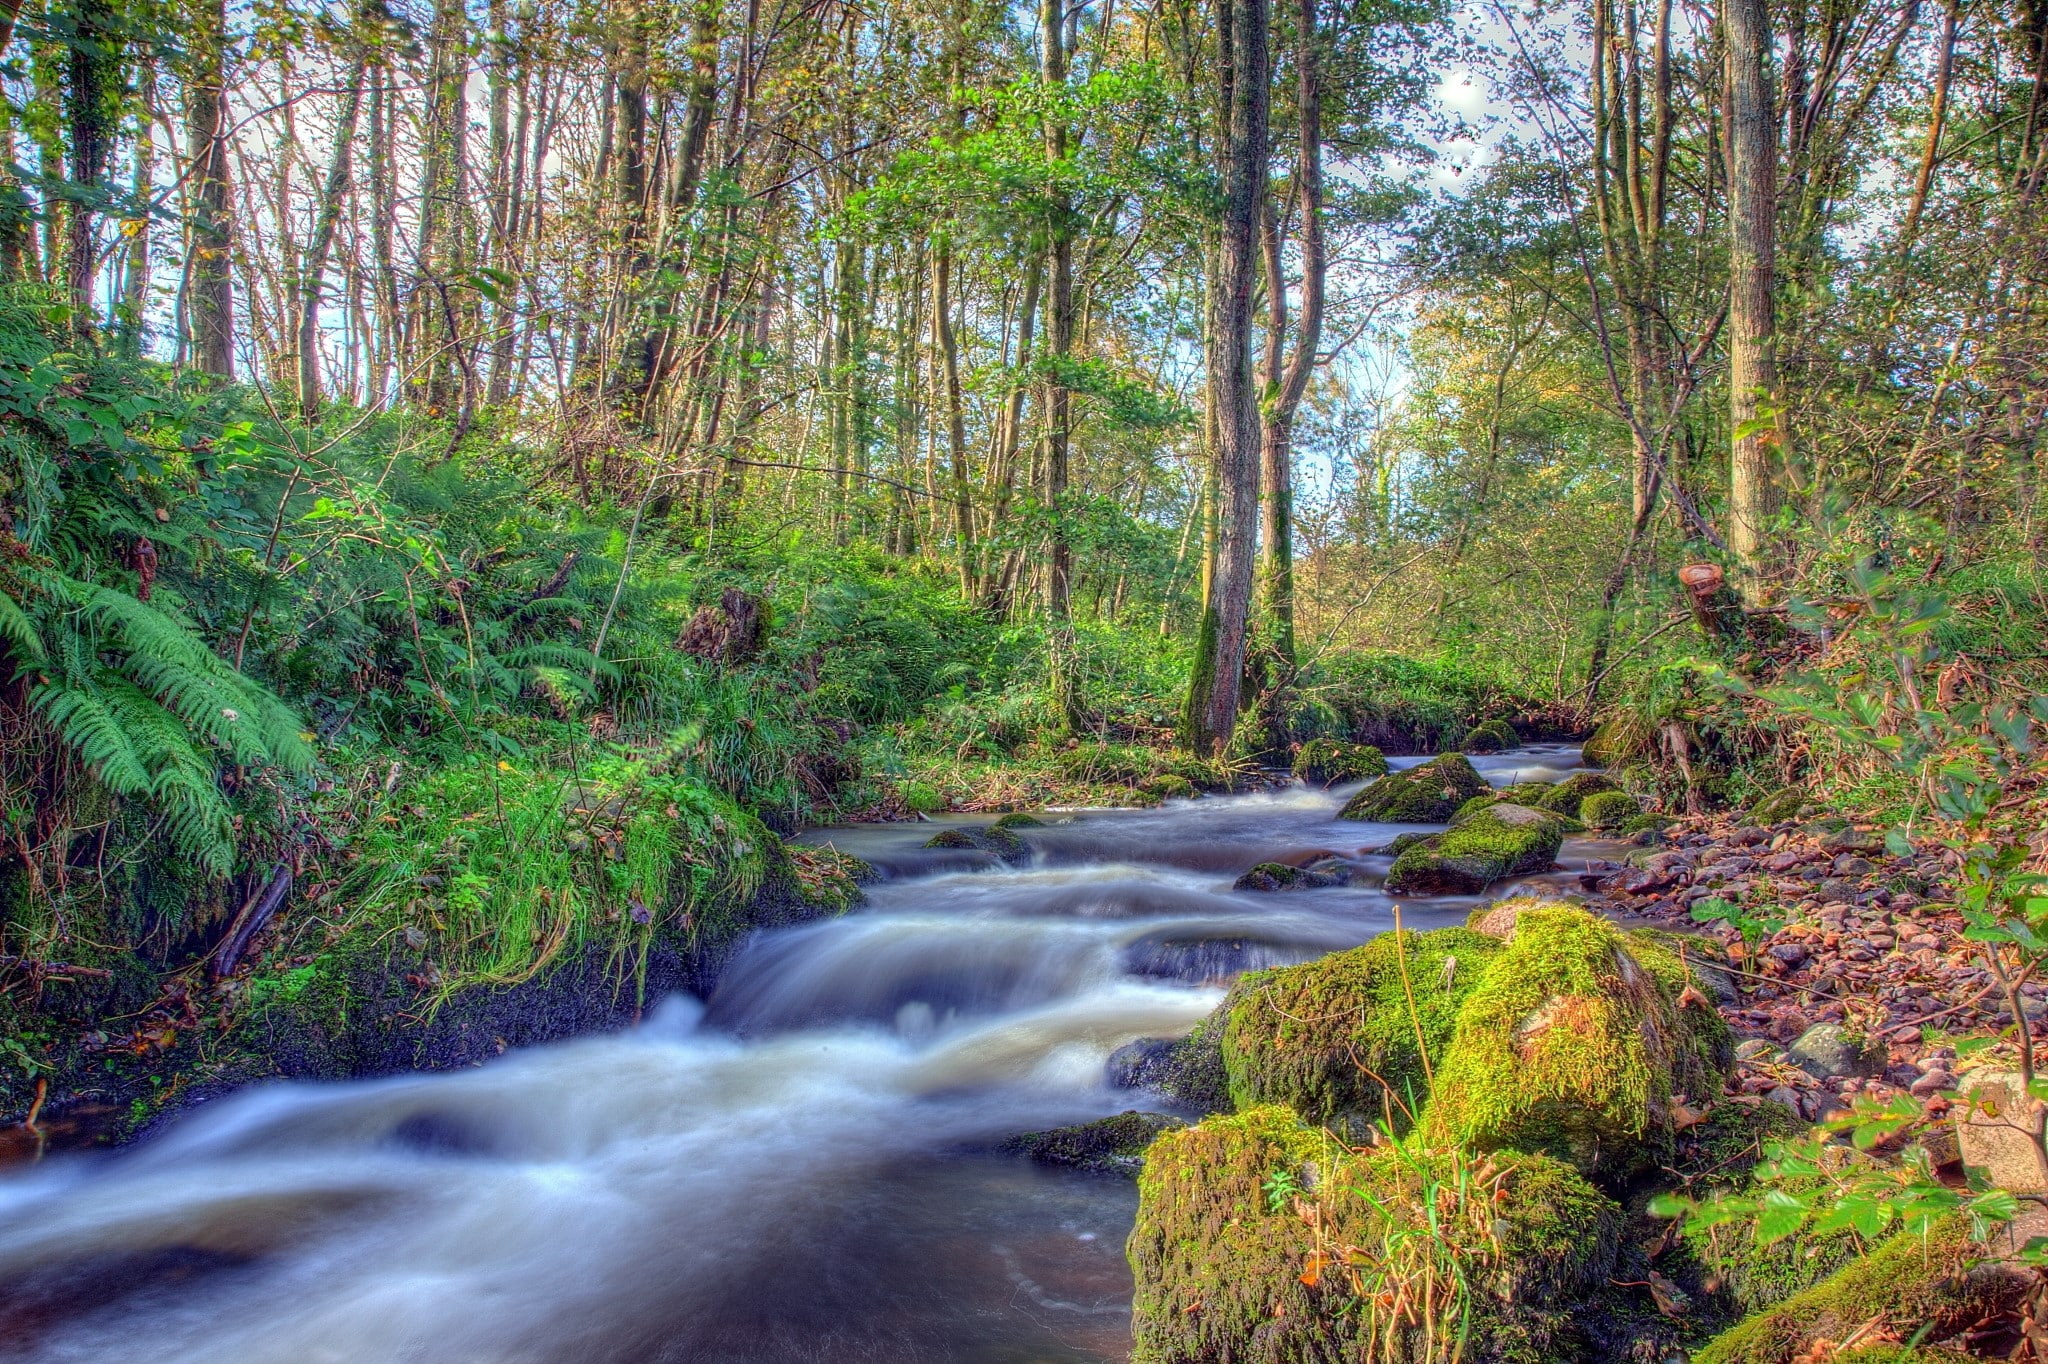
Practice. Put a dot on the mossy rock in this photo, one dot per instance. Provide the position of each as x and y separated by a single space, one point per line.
1272 876
996 840
1403 842
1786 803
1426 794
1612 744
1188 1070
1334 1040
1491 736
1525 792
1478 803
1226 1271
1330 762
1019 821
1566 796
1110 1146
1575 1044
1922 1284
1608 810
1167 786
1497 842
1647 824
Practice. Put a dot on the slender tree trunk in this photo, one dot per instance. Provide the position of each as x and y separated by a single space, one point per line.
135 268
1058 397
1756 431
313 284
1288 383
211 301
1217 685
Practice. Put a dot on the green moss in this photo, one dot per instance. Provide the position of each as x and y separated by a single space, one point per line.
1496 842
1328 762
1917 1281
1476 804
1780 805
1018 821
1491 736
958 839
1112 1145
1227 1270
1608 810
1334 1039
1271 876
1427 794
1574 1044
1645 824
1167 786
1566 796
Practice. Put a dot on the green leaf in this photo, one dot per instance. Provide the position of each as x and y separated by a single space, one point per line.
1780 1216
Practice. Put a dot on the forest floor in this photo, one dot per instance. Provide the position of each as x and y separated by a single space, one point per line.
1853 972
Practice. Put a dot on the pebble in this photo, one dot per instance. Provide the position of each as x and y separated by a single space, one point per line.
1754 1047
1791 953
1933 1082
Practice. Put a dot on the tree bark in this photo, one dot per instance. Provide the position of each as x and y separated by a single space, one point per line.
1756 424
211 296
1217 685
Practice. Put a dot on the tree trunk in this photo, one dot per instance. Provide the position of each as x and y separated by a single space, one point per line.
1756 426
211 305
1288 383
312 286
1217 685
1058 399
93 111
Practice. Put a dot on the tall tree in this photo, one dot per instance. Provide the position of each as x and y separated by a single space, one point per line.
210 292
1217 685
1288 374
1756 424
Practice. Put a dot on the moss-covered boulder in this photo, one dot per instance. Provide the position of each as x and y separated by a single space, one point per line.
1491 736
1575 1044
1752 1277
1566 796
1788 802
1427 794
1618 739
1334 1039
1272 876
997 840
1330 762
1931 1286
1018 821
1108 1146
1188 1070
1241 1220
1496 842
1608 810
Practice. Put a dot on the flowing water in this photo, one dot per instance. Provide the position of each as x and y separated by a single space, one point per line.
800 1168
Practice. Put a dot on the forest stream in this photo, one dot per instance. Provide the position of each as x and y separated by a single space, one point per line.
802 1167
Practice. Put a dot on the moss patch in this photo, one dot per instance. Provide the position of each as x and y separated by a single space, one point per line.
1112 1146
1574 1044
1328 762
1427 794
1910 1283
1496 842
1260 1238
1334 1040
1491 736
1566 797
1271 876
1608 810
